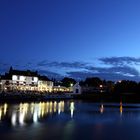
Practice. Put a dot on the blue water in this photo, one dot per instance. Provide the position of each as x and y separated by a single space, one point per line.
70 120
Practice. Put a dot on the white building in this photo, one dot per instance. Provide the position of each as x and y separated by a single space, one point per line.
77 89
44 84
17 80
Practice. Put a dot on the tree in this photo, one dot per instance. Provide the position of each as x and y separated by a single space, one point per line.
68 82
126 86
93 82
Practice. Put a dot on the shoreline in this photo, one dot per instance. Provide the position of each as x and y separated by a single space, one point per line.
96 97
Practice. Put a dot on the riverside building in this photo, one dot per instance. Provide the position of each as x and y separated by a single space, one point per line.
17 80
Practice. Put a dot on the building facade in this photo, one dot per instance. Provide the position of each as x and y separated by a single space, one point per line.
16 80
77 89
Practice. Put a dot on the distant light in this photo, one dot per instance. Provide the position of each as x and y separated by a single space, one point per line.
101 86
71 84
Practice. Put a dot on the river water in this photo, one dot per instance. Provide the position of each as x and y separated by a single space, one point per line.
69 120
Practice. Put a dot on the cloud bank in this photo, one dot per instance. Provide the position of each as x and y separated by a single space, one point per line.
110 68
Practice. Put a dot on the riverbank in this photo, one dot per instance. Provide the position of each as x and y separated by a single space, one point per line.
110 97
32 97
95 97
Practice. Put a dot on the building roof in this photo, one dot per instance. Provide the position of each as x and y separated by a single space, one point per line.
23 73
8 76
43 78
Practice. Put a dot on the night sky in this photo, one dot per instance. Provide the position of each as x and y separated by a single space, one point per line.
75 38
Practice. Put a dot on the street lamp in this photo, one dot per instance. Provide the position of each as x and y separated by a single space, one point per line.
71 84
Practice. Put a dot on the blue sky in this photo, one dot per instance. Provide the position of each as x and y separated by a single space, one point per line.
68 37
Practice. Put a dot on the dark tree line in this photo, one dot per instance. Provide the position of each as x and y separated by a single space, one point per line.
124 86
127 86
66 82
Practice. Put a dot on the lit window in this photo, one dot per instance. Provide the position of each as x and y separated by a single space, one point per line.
22 78
35 79
14 77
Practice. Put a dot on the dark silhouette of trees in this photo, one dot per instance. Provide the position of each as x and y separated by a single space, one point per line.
126 86
68 82
92 82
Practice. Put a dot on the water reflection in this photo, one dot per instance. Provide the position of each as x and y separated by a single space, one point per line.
13 118
60 107
32 112
68 120
121 108
24 113
102 109
3 110
71 109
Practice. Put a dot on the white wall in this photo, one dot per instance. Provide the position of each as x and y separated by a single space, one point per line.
77 87
21 79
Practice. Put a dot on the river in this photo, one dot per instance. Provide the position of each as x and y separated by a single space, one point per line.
69 120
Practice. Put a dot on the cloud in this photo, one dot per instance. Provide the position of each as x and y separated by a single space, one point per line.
123 70
108 76
108 73
119 61
114 68
62 64
50 74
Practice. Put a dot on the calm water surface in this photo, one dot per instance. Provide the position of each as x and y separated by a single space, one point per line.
70 120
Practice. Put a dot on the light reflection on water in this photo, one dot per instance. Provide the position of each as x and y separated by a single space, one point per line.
24 112
21 114
69 120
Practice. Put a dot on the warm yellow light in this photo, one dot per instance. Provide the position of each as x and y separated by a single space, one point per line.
121 108
5 108
0 114
55 106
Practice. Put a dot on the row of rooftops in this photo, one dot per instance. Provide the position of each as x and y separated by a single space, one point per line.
8 76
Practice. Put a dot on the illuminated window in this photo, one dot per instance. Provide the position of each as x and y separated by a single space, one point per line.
35 79
14 77
22 78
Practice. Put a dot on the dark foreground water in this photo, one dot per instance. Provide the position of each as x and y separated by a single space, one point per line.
69 120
